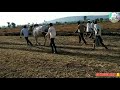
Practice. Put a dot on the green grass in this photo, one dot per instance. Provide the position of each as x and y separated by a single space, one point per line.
74 60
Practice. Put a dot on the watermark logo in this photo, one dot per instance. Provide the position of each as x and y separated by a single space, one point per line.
107 75
114 17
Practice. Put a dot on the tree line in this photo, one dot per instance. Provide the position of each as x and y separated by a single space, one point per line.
13 25
85 20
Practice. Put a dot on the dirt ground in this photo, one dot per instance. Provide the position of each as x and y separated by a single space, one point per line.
74 60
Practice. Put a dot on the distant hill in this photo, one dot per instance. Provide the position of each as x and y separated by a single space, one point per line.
77 18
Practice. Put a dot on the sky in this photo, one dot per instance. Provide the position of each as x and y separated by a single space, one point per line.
21 18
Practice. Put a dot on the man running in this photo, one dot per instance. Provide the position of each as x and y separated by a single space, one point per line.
81 30
52 34
98 40
25 32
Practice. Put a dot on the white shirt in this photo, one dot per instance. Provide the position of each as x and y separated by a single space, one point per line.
92 25
25 32
96 27
79 30
52 32
88 27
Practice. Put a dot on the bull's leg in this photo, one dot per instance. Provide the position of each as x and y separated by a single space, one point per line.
45 41
36 41
44 38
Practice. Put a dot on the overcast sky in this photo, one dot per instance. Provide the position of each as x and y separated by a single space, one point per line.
21 18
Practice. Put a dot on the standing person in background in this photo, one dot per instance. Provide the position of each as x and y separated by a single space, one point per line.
98 40
92 30
88 29
52 34
25 32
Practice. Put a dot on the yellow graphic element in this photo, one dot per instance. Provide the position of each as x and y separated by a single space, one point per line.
118 75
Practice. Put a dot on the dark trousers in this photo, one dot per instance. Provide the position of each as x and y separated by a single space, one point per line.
44 33
28 41
98 40
81 36
91 35
52 44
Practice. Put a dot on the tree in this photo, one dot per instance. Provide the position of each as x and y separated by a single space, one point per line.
101 19
13 25
97 19
58 23
28 24
85 18
65 22
8 24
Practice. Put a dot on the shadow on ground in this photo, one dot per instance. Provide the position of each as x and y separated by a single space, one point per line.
62 51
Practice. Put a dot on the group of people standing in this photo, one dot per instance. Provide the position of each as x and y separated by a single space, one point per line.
93 30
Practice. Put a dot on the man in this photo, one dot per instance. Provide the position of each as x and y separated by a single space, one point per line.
81 30
25 32
88 29
92 30
98 40
52 34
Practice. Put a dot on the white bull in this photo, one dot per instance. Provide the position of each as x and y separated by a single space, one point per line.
38 31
